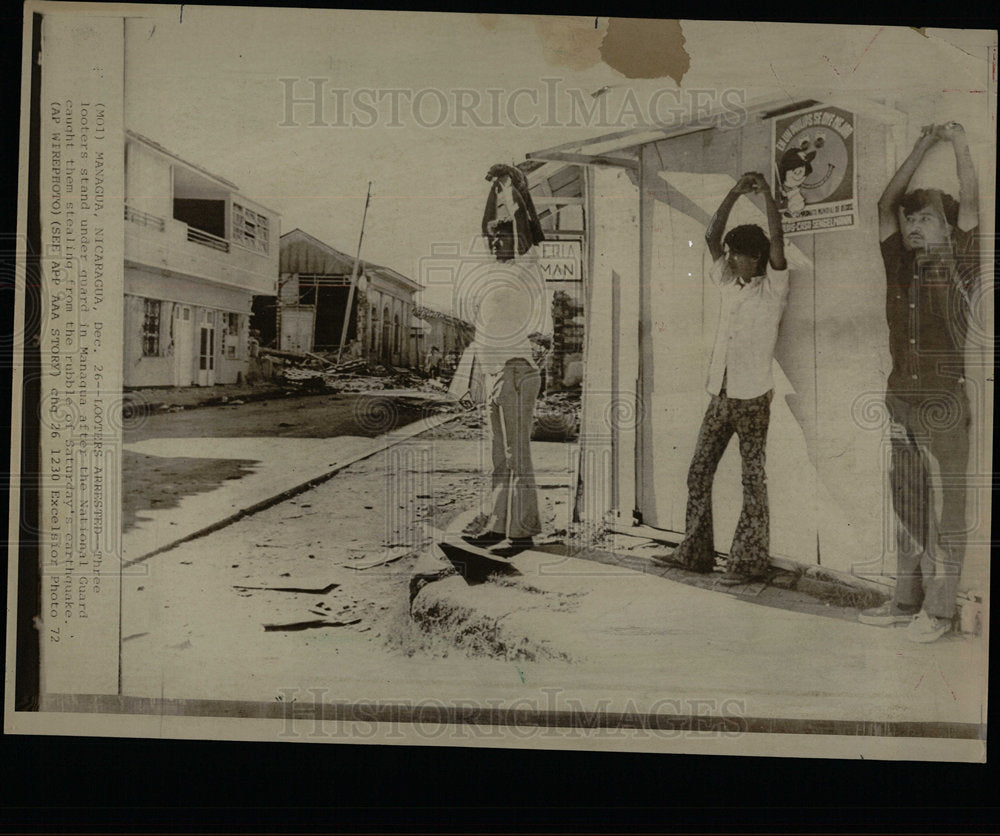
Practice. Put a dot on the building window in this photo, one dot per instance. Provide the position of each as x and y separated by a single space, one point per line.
151 328
397 336
250 228
374 328
232 335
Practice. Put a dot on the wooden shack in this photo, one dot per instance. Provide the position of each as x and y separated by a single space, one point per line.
651 315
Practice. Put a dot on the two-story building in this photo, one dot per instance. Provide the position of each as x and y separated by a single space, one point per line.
197 251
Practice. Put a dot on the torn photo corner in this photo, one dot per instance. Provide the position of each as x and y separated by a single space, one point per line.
703 467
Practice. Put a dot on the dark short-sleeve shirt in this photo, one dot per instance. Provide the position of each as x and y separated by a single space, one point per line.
927 307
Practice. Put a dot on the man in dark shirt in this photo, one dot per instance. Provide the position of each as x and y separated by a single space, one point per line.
929 246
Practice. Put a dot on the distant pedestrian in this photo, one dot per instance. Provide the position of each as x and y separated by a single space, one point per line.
432 363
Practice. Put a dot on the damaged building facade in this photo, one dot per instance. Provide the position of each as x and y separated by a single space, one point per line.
436 329
197 251
307 312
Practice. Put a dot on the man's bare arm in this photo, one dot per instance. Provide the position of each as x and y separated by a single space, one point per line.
888 204
717 226
774 228
968 186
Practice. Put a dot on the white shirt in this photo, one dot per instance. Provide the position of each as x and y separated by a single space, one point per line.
748 330
511 305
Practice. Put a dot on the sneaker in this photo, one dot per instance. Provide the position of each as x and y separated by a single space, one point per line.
926 628
886 615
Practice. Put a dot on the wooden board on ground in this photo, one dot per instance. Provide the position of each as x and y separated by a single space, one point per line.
388 555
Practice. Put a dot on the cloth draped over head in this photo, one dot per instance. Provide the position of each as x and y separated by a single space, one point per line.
519 233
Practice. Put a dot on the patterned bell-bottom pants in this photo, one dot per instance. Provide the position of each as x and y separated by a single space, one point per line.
748 419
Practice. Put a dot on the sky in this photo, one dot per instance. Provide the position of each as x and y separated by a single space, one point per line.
208 85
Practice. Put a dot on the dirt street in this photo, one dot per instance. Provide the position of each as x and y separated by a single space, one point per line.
315 416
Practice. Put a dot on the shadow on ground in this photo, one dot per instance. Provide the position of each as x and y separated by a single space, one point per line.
155 483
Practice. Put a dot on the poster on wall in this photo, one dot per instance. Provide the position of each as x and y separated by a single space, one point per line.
814 172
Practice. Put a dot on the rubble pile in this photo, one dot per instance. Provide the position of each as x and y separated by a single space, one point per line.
322 373
564 363
469 424
557 417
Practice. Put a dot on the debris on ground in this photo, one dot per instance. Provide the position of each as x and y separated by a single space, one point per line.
308 625
321 373
318 591
137 404
793 583
364 561
557 417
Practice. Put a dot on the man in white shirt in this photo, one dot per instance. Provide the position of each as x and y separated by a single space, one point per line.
509 307
750 269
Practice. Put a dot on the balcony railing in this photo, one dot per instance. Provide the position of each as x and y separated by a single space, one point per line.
206 239
144 218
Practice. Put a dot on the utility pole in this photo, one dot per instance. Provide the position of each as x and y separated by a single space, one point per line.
354 277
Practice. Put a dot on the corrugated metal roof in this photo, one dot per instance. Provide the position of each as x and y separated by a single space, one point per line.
303 253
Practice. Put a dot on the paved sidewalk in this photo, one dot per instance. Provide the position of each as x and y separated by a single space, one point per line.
194 617
282 467
614 637
670 638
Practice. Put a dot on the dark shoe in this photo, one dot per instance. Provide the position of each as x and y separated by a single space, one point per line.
677 563
484 540
513 546
738 578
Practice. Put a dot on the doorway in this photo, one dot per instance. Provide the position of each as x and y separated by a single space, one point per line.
206 350
684 181
183 346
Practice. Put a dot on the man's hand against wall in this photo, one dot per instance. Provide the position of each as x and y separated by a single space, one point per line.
745 184
950 131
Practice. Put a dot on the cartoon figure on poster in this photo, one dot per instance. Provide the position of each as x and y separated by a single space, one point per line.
794 168
814 170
